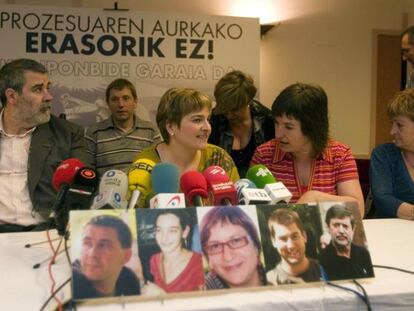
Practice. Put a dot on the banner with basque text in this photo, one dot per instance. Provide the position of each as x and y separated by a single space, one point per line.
85 49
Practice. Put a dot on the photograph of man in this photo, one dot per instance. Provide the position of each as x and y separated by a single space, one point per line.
289 237
341 258
168 254
232 248
100 271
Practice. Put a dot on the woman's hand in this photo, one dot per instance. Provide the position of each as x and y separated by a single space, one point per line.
348 191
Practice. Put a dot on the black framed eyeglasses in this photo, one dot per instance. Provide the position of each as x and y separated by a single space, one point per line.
216 248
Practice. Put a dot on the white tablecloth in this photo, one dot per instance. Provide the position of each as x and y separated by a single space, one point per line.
390 243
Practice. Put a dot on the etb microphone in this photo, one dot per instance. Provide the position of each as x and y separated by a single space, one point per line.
247 193
263 178
165 184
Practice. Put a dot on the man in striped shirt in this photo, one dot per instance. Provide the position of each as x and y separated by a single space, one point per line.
115 142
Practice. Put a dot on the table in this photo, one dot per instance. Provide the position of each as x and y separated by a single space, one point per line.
389 241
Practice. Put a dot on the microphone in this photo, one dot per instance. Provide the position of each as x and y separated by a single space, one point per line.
65 172
62 178
263 178
139 179
194 186
221 189
165 183
113 190
78 196
247 193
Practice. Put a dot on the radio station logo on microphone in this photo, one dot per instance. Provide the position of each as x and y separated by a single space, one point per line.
88 174
263 171
117 197
110 173
142 166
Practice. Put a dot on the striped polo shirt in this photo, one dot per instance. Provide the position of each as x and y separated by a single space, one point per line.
335 165
112 148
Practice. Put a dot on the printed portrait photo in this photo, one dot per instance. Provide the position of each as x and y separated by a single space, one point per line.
104 254
169 248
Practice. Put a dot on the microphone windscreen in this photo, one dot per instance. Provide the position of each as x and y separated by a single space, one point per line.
242 184
215 174
260 175
86 179
165 178
65 172
193 183
139 175
114 180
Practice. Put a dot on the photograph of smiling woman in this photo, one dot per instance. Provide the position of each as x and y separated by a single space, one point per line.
232 247
169 251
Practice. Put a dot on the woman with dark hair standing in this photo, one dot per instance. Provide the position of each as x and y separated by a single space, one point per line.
302 156
239 122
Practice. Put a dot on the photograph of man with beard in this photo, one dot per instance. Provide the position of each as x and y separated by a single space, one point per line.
289 237
341 258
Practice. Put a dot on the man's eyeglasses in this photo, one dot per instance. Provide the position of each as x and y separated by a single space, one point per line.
215 248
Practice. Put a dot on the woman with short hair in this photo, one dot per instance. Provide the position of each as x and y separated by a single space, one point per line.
239 122
392 164
302 156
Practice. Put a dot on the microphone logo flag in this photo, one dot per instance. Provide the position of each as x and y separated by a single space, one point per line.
263 171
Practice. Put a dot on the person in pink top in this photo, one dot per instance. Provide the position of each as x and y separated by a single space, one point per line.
175 268
312 166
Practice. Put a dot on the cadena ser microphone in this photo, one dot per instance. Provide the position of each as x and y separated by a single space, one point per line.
78 196
221 189
139 179
165 185
113 189
194 186
263 178
248 193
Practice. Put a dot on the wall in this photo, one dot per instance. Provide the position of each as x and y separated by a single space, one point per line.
328 42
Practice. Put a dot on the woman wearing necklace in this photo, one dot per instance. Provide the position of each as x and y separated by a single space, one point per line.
182 118
312 166
392 164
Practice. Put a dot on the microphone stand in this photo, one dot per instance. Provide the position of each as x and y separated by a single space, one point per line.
56 252
41 242
37 265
